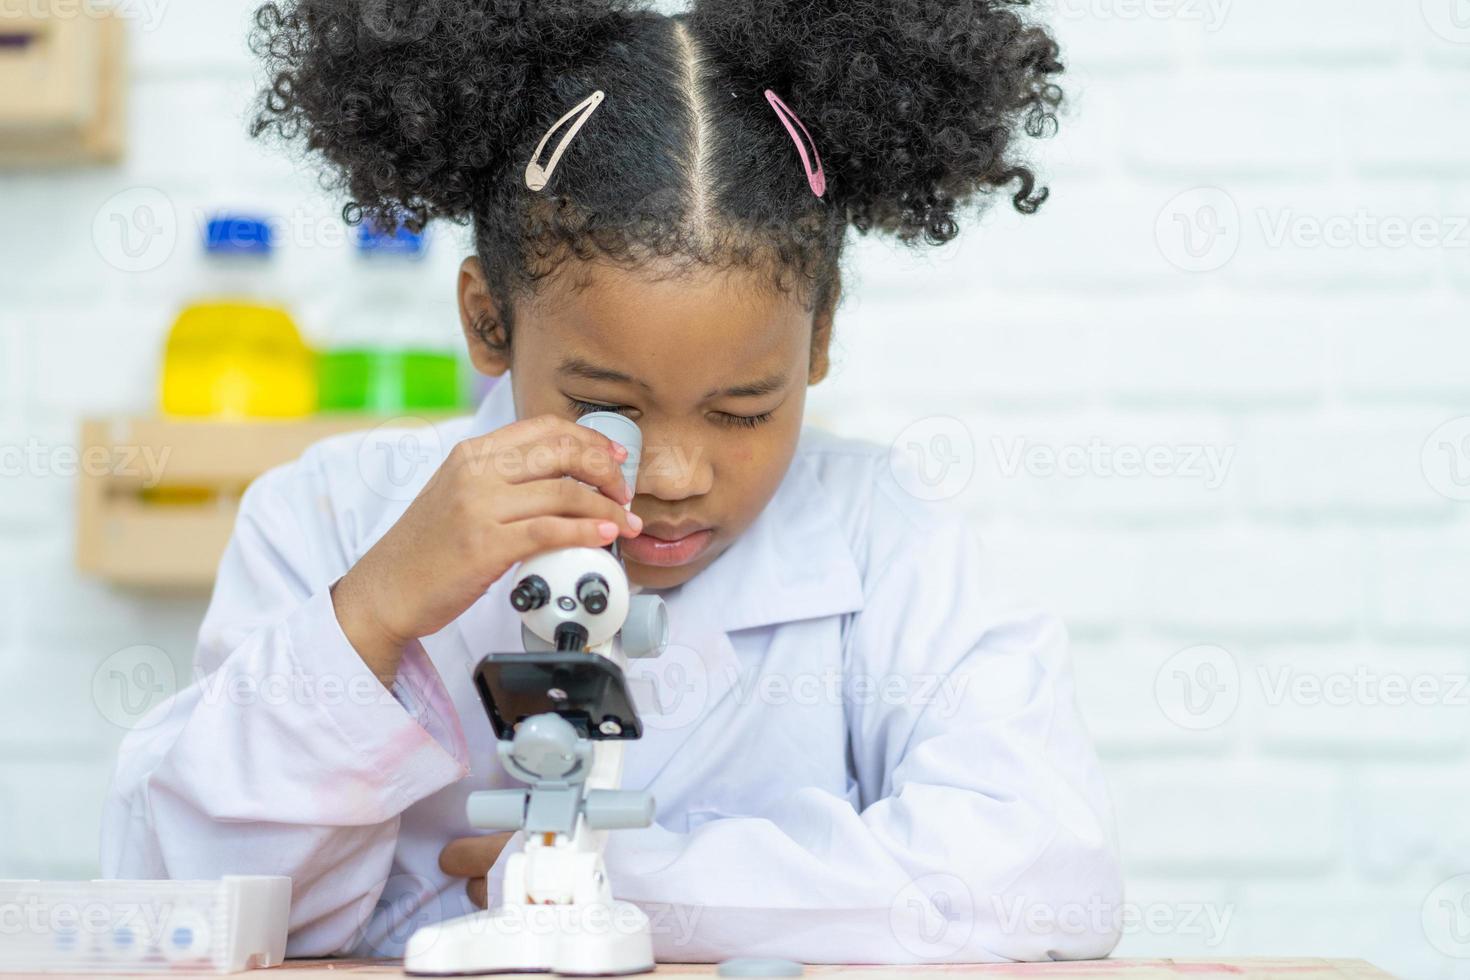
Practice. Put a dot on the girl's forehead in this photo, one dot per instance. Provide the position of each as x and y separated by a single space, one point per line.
695 318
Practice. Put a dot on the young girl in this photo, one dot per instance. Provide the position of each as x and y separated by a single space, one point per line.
862 750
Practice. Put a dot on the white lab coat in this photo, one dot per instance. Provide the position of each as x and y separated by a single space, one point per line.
863 750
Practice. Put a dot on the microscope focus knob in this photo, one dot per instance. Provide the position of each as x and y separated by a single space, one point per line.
497 809
592 593
646 630
531 592
546 746
618 809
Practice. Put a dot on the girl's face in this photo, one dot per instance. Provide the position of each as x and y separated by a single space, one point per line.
712 366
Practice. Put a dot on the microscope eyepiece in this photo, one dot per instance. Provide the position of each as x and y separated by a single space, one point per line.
531 592
592 592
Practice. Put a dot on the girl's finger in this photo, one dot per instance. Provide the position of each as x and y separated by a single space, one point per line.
470 857
478 891
562 498
548 446
540 534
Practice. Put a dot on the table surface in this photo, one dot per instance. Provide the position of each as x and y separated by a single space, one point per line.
1237 969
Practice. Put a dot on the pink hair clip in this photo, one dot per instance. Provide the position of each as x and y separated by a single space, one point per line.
816 178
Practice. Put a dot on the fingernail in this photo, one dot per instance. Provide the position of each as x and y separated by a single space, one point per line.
634 521
620 450
607 529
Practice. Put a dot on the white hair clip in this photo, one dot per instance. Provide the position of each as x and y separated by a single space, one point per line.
537 175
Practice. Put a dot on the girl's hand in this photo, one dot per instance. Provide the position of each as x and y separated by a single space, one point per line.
497 499
472 858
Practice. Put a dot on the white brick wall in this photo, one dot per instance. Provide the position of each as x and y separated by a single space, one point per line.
1257 253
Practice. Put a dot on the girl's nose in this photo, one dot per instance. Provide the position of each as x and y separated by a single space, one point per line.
672 470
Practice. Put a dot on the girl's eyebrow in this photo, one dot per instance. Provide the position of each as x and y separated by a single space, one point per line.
764 386
579 368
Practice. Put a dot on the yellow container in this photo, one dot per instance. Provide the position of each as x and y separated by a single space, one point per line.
234 354
237 359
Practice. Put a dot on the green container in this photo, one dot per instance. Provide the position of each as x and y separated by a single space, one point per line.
388 382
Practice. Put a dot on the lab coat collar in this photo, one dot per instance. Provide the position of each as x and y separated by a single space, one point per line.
793 562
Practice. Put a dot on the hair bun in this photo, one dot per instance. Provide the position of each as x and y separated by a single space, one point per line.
914 105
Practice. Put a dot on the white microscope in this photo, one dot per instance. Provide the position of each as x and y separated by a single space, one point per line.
561 711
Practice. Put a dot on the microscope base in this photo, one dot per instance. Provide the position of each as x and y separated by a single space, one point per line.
586 940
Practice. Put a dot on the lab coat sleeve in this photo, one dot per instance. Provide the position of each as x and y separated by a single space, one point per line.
285 755
981 829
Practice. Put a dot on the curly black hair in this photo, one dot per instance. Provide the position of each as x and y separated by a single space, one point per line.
432 108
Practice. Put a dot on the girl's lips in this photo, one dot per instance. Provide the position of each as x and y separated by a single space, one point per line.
649 550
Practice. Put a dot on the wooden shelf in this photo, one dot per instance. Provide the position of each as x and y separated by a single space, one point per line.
157 497
62 79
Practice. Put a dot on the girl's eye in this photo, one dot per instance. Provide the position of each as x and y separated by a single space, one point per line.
743 421
586 408
725 418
